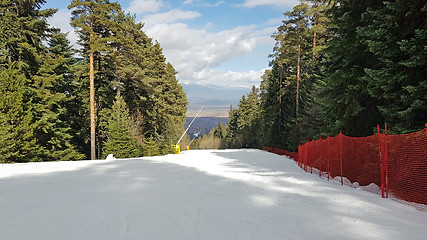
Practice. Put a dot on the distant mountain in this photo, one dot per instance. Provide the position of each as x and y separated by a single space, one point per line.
215 100
203 125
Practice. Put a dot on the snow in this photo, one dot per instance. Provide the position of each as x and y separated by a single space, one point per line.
207 194
110 157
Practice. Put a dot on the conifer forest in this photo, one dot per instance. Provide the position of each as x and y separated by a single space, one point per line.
343 65
117 94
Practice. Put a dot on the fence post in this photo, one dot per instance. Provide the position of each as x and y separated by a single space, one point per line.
381 161
386 162
301 160
311 167
320 165
329 170
341 156
306 156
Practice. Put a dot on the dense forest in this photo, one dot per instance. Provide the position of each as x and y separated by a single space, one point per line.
116 94
344 65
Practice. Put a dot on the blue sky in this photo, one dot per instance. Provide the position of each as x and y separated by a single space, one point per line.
219 48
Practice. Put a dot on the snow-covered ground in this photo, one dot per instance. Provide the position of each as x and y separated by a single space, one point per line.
210 194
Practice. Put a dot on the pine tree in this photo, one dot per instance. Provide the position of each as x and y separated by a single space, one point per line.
31 69
219 131
291 45
277 107
172 106
319 21
92 17
51 96
17 140
233 139
120 141
150 148
348 106
395 34
157 102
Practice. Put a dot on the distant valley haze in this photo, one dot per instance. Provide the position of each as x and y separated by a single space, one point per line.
215 100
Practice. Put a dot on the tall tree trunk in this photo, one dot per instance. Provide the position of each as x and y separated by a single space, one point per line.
92 95
298 71
118 76
280 95
314 32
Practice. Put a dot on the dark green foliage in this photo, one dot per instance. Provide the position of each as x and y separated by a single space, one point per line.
343 66
133 65
243 127
278 107
151 147
348 105
120 142
288 90
219 131
396 34
34 74
44 112
17 139
376 66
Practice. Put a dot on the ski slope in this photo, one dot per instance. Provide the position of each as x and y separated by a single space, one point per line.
209 194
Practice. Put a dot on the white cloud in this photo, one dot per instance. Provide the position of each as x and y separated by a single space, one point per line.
62 20
204 4
228 79
195 53
276 3
169 17
142 6
213 4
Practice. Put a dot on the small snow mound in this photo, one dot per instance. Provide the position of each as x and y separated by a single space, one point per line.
373 188
110 157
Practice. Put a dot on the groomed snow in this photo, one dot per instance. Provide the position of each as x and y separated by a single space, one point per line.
210 194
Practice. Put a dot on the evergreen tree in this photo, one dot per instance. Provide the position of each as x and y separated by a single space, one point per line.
291 46
120 141
243 127
171 106
50 101
219 131
39 104
348 106
233 139
319 21
151 148
93 17
156 101
277 107
396 34
17 139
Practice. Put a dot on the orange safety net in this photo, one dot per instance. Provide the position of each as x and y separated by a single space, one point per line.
396 163
406 166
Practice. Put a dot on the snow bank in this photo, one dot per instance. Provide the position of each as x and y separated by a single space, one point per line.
210 194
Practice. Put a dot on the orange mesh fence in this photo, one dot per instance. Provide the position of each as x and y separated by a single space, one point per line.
395 163
407 166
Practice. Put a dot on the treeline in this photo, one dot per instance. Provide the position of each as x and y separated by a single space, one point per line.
344 65
116 94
